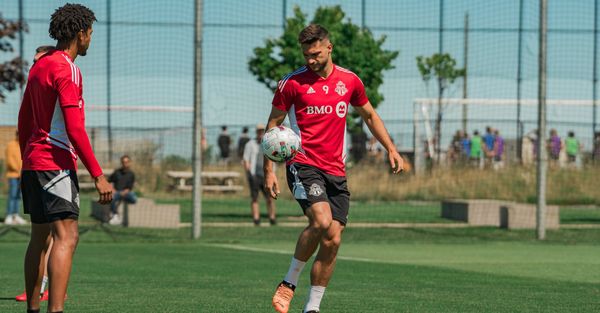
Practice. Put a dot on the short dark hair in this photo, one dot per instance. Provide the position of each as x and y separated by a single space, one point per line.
44 49
312 33
68 20
571 133
125 156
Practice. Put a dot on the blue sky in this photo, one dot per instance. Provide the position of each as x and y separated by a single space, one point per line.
152 57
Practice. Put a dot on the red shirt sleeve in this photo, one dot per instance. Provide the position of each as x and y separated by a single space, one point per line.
359 96
67 84
25 123
284 95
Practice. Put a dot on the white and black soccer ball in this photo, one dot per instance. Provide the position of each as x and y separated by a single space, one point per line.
280 144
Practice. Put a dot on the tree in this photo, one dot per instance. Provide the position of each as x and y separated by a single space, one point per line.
443 68
354 48
12 74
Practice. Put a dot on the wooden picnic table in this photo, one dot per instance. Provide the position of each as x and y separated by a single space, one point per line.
212 181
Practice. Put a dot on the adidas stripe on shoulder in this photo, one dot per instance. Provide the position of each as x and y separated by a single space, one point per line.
284 80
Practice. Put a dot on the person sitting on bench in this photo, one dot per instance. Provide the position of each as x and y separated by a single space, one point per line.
122 180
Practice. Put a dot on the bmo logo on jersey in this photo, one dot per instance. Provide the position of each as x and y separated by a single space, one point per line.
340 109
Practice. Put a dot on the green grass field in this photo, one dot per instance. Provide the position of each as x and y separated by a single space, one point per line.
379 270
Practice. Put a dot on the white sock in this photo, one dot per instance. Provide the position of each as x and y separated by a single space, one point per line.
314 298
44 283
296 267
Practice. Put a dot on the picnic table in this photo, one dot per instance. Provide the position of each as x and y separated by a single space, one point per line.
86 182
223 181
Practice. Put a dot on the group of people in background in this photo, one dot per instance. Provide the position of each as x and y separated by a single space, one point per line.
561 151
489 149
478 150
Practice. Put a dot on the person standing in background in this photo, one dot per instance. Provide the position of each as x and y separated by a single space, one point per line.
242 141
224 143
13 174
476 149
498 150
253 165
572 146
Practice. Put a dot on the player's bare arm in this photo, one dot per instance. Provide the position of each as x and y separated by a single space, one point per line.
375 124
271 185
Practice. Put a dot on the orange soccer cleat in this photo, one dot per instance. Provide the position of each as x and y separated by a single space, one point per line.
283 297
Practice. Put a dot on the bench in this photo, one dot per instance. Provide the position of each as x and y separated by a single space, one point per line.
211 181
145 213
523 216
479 212
504 214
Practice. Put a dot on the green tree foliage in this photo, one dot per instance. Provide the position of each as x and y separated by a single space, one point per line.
353 48
12 74
442 67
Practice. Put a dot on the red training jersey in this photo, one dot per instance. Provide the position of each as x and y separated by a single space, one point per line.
317 109
51 119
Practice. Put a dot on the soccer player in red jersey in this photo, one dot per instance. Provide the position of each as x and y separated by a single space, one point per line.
316 98
52 137
39 52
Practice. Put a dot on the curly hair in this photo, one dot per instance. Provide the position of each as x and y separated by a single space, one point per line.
68 20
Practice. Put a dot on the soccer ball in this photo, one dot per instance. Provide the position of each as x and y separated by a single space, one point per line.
280 144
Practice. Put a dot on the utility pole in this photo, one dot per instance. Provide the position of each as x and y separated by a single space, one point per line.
519 82
465 61
542 155
197 129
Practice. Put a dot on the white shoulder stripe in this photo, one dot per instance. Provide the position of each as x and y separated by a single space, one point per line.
341 69
286 77
284 80
75 76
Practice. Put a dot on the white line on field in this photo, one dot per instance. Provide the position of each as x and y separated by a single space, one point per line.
254 249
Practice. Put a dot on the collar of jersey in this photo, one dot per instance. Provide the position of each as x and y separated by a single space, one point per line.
319 76
64 53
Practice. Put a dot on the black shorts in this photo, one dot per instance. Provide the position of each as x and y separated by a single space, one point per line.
49 196
256 184
310 185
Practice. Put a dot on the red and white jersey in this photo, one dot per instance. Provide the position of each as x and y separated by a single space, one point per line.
317 109
52 120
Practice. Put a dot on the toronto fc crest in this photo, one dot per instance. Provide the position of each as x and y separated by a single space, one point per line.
340 88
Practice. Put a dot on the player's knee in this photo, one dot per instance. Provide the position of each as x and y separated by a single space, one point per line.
333 242
321 224
68 241
336 241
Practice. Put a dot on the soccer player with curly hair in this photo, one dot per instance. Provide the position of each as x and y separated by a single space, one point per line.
52 137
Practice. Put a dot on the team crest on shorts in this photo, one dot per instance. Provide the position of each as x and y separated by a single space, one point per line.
340 88
315 190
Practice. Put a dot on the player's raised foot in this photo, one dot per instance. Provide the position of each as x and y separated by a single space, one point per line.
22 297
283 297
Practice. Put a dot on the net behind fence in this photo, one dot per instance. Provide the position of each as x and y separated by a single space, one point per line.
138 78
